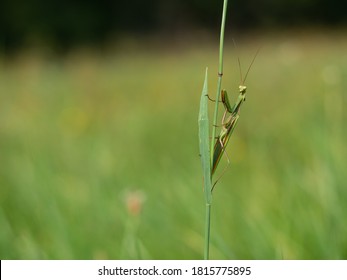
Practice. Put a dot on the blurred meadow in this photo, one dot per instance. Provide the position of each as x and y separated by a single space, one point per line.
99 151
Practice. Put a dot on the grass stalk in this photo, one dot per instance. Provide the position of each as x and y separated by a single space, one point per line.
208 179
220 75
207 231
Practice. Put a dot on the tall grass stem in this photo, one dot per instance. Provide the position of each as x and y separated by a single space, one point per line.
207 231
220 75
209 183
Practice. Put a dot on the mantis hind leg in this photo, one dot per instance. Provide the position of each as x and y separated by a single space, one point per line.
223 120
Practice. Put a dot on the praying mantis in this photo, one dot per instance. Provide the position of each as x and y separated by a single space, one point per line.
229 124
229 121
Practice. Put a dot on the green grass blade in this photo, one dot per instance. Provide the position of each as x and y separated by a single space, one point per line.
204 141
204 146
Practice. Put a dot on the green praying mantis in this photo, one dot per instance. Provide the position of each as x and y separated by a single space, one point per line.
229 123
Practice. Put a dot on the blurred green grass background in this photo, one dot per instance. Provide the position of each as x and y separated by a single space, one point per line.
82 136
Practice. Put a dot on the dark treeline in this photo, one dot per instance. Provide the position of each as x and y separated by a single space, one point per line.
70 22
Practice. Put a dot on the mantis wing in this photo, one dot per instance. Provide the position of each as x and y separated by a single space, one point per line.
222 142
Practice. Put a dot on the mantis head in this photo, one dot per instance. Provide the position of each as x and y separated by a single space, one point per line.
242 89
